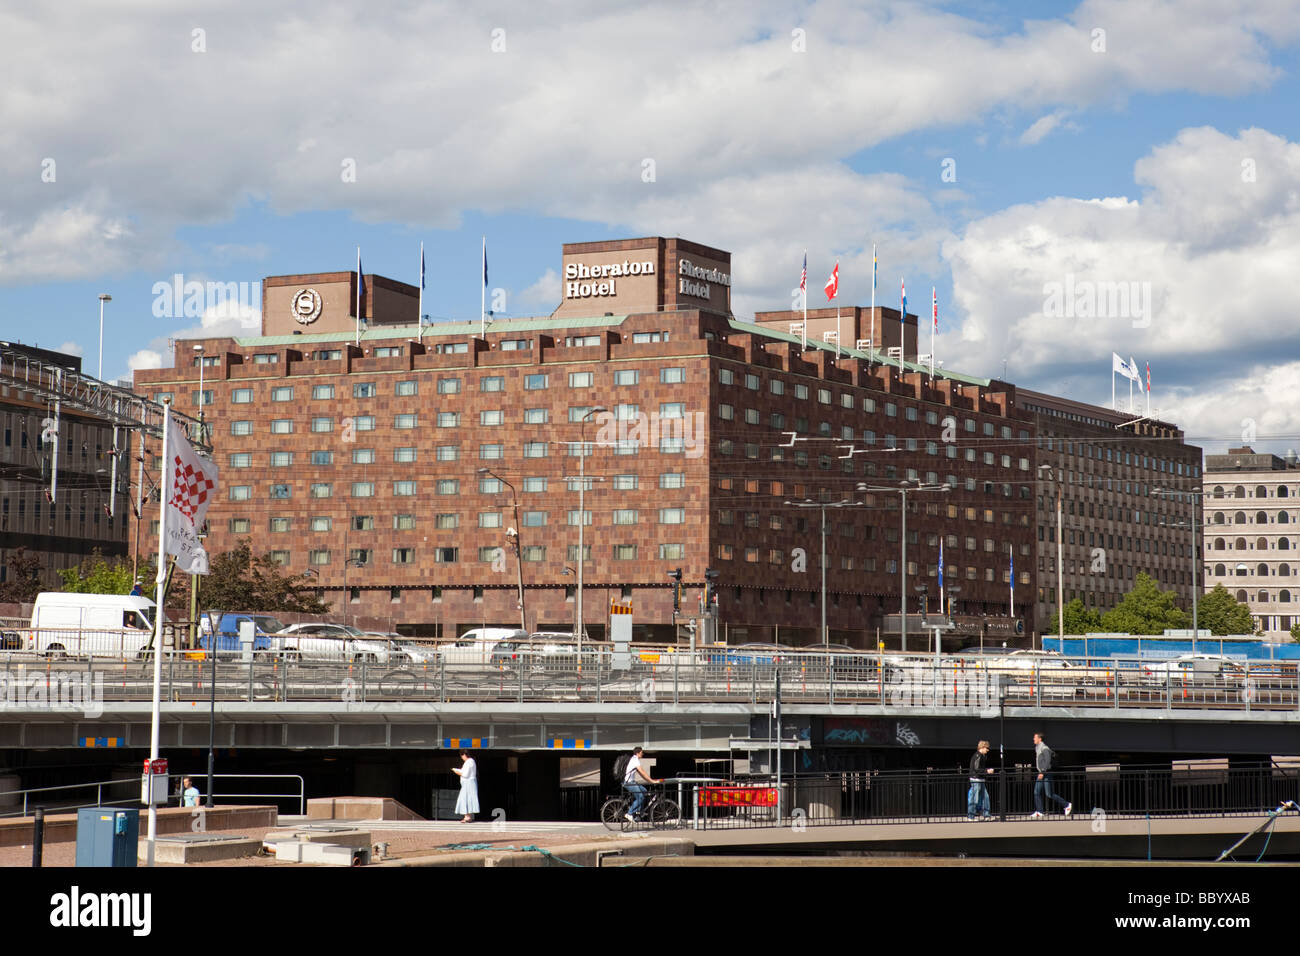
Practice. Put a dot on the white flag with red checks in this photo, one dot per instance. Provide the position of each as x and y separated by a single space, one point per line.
193 482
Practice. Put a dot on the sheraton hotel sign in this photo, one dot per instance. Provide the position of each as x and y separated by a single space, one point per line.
692 280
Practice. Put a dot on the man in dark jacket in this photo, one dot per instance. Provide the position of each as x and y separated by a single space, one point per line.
1043 757
977 800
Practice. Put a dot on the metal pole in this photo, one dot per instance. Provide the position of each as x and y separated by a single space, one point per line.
54 470
1002 742
1060 581
519 563
778 743
212 716
159 614
1195 561
902 574
825 634
38 830
582 487
112 480
103 297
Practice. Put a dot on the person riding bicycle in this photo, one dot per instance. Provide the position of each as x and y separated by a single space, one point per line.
634 786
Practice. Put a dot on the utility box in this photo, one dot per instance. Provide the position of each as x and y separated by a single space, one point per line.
107 836
247 637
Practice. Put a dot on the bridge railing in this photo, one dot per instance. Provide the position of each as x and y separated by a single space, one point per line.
1184 789
33 681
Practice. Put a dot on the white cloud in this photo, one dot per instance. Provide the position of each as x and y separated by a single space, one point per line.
545 293
143 359
1041 127
1254 407
71 348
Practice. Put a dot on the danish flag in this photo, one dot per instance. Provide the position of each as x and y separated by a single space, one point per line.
833 283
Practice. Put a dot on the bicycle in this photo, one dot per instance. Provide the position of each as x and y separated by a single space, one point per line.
658 811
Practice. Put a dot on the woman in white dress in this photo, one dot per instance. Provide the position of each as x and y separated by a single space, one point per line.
467 802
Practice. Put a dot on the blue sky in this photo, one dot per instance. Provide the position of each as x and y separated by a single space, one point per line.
223 164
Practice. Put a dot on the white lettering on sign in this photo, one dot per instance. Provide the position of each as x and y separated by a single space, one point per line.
609 270
701 289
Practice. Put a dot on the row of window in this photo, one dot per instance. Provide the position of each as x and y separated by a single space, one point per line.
451 520
452 555
1261 544
1115 456
487 417
1283 570
1220 517
1239 491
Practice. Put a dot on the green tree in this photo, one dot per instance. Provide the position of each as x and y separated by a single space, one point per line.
1222 613
1295 632
241 582
24 581
1145 610
1079 619
96 576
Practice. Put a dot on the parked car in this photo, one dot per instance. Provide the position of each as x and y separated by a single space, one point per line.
336 642
11 641
474 650
1206 668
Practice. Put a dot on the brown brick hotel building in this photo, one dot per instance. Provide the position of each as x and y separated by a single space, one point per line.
363 462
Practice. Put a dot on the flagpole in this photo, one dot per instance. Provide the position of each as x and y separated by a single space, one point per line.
934 327
805 301
482 312
359 281
419 309
1011 555
943 612
158 615
873 303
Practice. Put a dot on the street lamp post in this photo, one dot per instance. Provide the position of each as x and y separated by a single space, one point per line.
1060 568
103 297
579 623
903 488
517 543
846 503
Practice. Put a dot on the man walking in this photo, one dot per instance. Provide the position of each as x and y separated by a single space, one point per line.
977 800
1043 759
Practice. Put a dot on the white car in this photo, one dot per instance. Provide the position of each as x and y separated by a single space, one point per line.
474 650
1209 668
336 642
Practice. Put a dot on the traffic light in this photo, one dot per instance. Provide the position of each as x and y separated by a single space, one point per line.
676 575
710 589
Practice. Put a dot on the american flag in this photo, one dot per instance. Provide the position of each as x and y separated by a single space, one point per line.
903 286
935 297
803 276
833 283
1148 376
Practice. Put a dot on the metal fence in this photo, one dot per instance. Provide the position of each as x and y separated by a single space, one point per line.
653 675
1193 789
126 791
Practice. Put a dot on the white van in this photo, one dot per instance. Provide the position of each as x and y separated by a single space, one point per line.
474 648
91 625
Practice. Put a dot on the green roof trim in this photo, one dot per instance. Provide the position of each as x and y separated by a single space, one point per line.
436 330
751 328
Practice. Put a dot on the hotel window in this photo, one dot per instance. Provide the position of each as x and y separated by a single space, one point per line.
534 552
672 410
242 460
675 375
489 553
489 519
534 449
671 552
446 522
239 525
361 556
266 358
404 421
403 556
404 455
533 383
534 485
581 379
448 486
988 429
751 382
363 423
625 516
448 386
363 523
321 489
322 458
448 419
776 386
239 396
448 452
672 515
534 519
624 552
387 351
279 491
451 348
515 345
407 388
319 392
622 413
364 390
909 413
625 482
446 555
363 489
676 446
640 338
579 341
281 459
327 354
282 426
280 557
283 394
627 377
751 555
536 416
824 396
492 383
363 456
672 479
490 486
726 412
322 424
320 524
726 552
578 412
891 410
201 398
572 518
403 522
778 420
279 525
846 400
726 377
491 452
